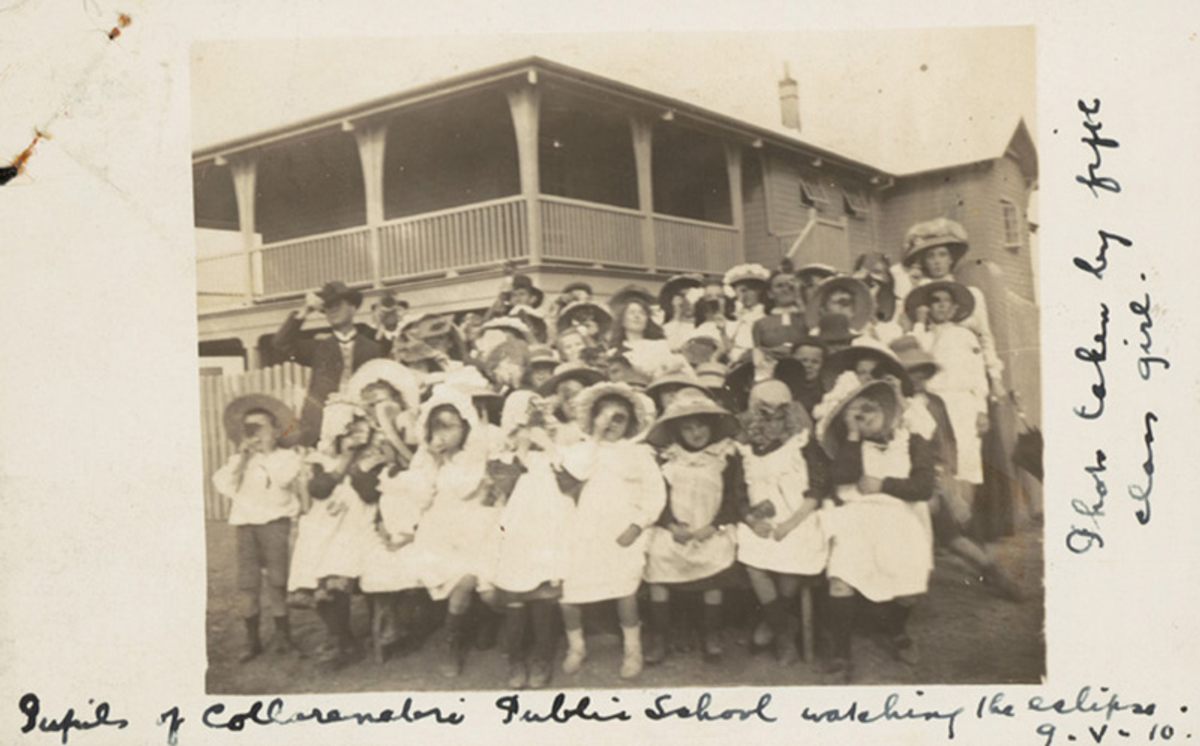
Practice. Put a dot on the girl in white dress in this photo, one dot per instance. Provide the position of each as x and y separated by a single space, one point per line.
453 551
881 541
532 549
339 526
621 493
390 394
780 539
693 546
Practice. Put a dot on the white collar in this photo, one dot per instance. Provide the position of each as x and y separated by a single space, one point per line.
345 338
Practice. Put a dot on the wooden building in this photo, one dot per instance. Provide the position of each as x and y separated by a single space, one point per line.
428 192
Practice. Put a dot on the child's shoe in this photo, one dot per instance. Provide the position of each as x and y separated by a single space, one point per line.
631 664
539 673
254 646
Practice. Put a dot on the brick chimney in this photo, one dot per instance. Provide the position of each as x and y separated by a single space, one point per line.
789 100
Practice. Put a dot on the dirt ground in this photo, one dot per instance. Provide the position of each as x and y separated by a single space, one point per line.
964 633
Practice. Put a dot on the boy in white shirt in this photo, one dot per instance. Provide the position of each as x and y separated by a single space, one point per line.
261 480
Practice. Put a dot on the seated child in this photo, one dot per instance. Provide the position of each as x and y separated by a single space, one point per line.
693 545
261 480
779 541
881 540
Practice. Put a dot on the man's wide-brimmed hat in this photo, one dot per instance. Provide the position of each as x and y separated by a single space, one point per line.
692 403
931 234
332 292
922 294
285 419
585 401
831 408
864 304
585 374
526 283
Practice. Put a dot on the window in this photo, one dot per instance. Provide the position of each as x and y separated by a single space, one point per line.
857 203
812 193
1012 225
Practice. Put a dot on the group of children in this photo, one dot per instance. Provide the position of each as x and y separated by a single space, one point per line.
777 442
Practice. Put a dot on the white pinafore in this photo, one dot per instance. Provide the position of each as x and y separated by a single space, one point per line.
881 545
781 477
697 488
333 536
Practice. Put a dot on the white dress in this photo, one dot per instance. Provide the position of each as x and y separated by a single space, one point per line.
697 487
880 545
963 385
622 486
781 477
531 540
456 537
400 507
741 331
333 536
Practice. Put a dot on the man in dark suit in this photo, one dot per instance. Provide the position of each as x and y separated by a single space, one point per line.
333 357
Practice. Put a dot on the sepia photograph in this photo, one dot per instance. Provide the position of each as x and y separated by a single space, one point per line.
619 360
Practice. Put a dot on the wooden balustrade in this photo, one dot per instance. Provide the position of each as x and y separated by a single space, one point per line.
470 236
295 266
693 245
585 231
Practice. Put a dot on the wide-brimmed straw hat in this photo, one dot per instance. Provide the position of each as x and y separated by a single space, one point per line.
577 285
864 304
585 401
712 375
585 374
755 274
921 295
430 326
413 352
533 320
631 292
831 408
692 403
817 270
886 364
512 324
673 379
912 356
931 234
400 378
676 285
542 355
285 418
580 311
